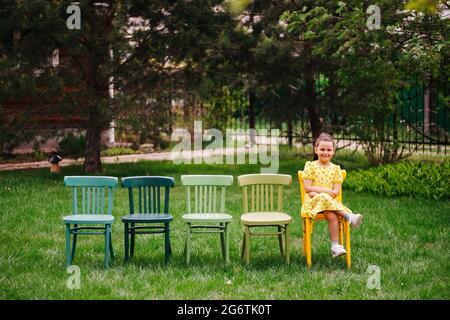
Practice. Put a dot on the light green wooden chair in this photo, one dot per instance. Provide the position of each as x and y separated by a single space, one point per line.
260 209
206 213
91 212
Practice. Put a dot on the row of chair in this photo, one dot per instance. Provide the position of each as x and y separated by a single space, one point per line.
149 213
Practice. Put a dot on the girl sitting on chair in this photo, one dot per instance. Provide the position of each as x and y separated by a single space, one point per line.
322 182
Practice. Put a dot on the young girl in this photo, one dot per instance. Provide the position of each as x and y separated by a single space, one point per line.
322 182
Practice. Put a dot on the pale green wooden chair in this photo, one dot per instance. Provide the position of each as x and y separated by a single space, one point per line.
206 213
260 209
91 212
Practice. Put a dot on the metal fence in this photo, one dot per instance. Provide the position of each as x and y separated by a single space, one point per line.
420 123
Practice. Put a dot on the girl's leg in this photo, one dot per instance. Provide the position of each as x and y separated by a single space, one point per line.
333 225
342 213
354 219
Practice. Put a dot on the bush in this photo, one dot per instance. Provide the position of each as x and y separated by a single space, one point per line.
406 178
117 151
72 146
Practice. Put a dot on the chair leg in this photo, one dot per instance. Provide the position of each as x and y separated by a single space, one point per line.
280 241
243 246
185 248
133 235
304 233
341 233
126 238
68 255
287 239
308 242
107 230
247 244
222 239
166 242
74 243
111 243
347 244
227 243
188 243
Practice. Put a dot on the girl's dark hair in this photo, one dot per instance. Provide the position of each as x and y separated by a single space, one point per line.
322 137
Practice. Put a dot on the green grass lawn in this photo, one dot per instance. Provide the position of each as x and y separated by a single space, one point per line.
407 238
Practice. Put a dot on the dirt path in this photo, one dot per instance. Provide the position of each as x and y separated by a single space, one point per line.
156 156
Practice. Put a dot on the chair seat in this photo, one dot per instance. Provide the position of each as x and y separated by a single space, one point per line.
147 217
89 219
319 217
266 218
207 217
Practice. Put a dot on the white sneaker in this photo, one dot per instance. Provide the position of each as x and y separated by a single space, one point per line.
338 250
355 220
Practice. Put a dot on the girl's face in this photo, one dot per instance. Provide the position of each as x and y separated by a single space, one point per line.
325 151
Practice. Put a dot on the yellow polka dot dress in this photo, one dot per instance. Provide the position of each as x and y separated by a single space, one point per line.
323 177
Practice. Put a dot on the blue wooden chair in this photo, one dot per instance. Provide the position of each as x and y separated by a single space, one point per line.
148 211
91 212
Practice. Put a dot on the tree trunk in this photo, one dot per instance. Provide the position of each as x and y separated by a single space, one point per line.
290 133
311 104
92 161
95 62
251 115
97 116
332 99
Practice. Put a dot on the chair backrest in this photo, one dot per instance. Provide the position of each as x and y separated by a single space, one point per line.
148 193
262 189
302 189
207 192
92 193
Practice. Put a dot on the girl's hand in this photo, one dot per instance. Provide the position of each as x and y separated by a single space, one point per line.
312 194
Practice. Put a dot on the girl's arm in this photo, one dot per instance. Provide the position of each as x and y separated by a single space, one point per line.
307 184
336 189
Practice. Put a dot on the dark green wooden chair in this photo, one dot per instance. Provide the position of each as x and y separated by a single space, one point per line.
91 192
208 213
148 210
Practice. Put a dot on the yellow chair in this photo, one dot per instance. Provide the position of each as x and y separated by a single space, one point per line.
265 194
308 225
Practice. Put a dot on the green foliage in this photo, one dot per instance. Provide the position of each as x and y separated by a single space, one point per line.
231 104
366 69
273 52
425 6
117 151
414 179
37 153
72 146
13 132
236 7
102 53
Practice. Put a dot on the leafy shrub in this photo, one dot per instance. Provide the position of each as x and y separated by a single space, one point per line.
408 178
72 146
117 151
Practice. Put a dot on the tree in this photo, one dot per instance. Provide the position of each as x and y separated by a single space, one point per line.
365 69
133 47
